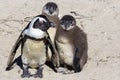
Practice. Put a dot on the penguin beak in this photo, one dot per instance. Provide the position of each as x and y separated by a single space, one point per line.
51 10
66 26
65 29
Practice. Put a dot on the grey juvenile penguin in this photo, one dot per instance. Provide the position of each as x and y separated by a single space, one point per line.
71 43
34 41
51 11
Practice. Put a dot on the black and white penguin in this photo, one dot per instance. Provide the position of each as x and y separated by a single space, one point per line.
34 40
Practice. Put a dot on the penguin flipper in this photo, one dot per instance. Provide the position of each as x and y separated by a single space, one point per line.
13 52
14 49
55 57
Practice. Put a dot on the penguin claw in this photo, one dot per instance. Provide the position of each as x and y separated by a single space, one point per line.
38 76
28 75
68 72
7 68
64 70
61 70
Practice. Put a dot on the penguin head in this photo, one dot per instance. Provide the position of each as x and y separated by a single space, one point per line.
51 9
41 22
37 27
67 22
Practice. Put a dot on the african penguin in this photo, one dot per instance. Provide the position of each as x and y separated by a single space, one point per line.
71 43
51 10
34 40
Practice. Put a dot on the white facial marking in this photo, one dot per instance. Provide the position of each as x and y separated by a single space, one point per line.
33 32
34 19
63 27
47 12
70 27
54 13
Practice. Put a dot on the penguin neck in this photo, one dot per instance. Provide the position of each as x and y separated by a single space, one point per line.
33 32
54 19
36 33
34 39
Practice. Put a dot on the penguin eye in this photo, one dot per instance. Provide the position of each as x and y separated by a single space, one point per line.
48 7
43 22
62 22
44 26
54 8
72 23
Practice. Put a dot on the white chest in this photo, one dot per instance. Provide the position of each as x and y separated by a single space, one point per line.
66 52
35 47
63 39
34 53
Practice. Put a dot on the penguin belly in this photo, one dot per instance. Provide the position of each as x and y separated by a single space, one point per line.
34 53
66 53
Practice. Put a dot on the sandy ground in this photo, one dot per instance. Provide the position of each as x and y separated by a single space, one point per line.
100 19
